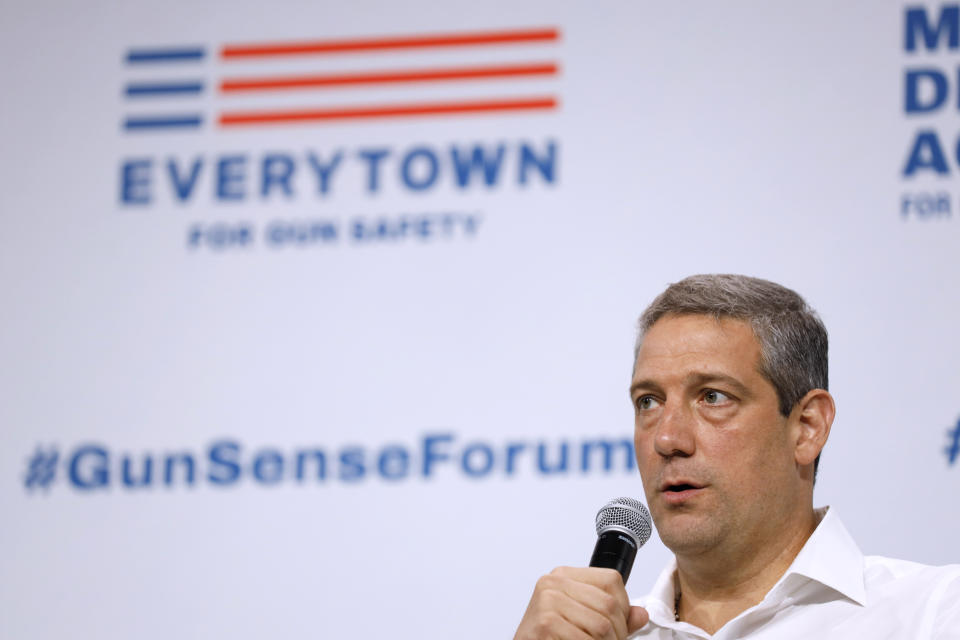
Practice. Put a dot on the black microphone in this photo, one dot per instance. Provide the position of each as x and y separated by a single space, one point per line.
623 526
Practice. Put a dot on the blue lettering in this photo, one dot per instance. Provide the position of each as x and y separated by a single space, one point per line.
431 455
220 236
183 186
544 466
464 168
352 468
268 466
394 463
513 450
185 460
917 22
277 171
224 468
144 479
359 230
925 206
607 448
324 171
89 468
913 103
470 224
373 158
926 153
432 169
545 164
230 177
486 460
321 464
281 233
135 181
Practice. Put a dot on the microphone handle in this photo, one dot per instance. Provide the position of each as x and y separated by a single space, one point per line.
614 550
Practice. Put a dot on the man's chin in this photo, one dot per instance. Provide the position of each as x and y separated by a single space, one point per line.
685 533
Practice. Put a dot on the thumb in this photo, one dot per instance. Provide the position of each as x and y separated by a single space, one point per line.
637 618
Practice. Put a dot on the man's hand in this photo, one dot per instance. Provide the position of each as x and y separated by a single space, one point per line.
580 604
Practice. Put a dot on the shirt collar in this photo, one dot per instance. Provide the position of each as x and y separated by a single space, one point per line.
659 604
830 556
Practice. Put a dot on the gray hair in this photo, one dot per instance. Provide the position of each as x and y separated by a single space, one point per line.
793 339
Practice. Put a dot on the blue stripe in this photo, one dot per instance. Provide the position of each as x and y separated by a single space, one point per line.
163 88
171 54
162 122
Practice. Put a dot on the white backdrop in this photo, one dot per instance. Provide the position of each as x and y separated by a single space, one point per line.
480 326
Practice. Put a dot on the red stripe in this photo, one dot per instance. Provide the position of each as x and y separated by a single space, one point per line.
229 119
467 39
386 77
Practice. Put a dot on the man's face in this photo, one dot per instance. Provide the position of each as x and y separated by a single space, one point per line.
713 449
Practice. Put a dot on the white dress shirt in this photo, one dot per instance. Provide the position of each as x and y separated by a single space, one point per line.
831 591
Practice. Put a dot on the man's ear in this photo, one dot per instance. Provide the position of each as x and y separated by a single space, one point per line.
812 418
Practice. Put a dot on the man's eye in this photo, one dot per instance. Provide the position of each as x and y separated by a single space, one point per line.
646 402
715 397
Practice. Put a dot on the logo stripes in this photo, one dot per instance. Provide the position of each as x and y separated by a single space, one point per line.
176 59
301 94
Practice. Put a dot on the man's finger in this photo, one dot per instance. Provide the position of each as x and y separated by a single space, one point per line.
606 580
574 603
592 622
637 618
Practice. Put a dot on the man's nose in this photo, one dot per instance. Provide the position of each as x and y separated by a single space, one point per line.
675 435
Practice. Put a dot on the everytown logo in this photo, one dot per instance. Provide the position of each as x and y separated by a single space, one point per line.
224 463
179 95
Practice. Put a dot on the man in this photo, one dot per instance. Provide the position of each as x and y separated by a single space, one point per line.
732 410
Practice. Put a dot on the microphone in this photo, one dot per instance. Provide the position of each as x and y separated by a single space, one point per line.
623 526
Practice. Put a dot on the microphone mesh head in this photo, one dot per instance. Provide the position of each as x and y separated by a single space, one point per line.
626 515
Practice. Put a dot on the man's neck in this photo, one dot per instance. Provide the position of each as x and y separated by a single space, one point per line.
715 588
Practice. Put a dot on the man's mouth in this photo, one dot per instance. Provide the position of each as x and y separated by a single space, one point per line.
680 484
680 491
